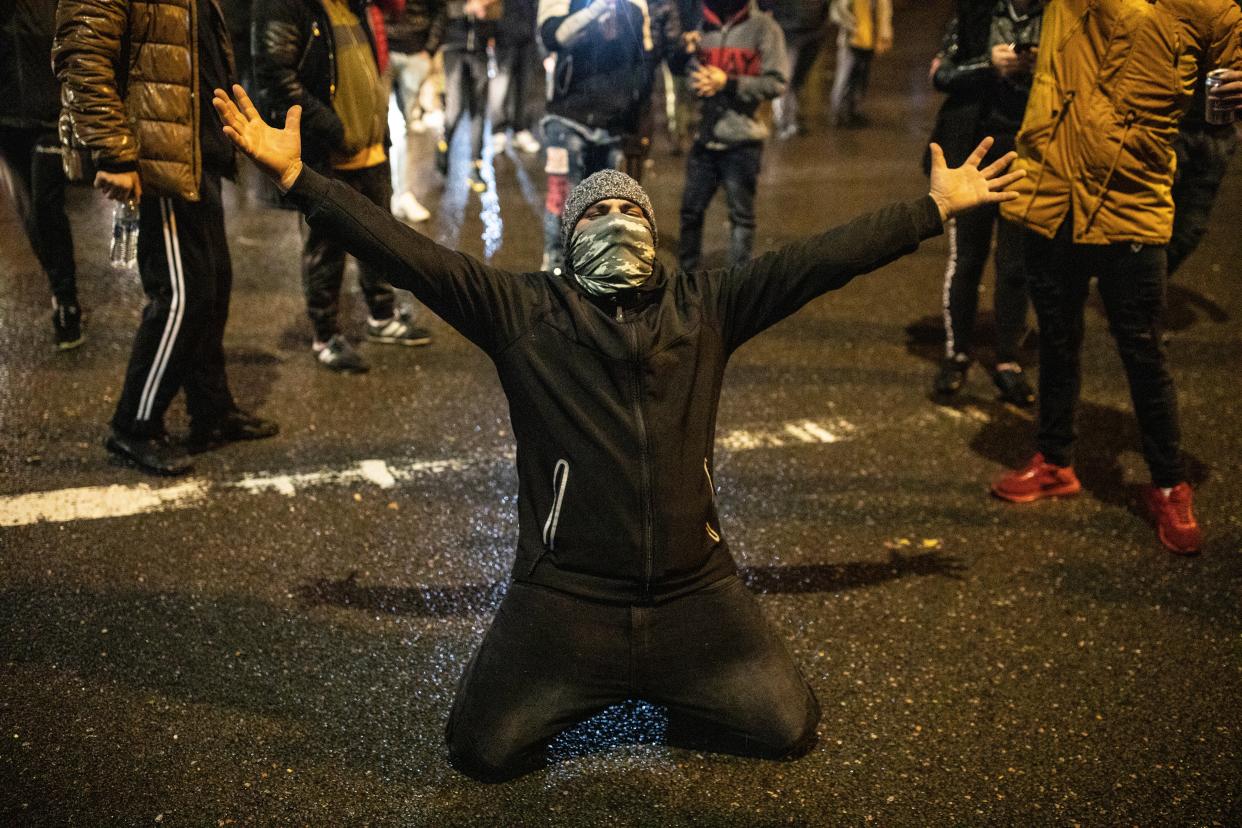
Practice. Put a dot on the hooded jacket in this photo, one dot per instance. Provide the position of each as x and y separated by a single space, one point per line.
749 47
613 407
129 76
1112 81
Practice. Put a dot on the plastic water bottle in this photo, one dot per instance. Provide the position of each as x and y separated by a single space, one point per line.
124 251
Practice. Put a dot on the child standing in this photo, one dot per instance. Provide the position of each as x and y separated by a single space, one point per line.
866 29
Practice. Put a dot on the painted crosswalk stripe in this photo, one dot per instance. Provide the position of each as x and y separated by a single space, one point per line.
98 502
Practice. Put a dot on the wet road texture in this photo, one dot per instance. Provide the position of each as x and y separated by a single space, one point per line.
277 641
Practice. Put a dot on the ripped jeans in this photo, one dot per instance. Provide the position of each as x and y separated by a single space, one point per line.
573 152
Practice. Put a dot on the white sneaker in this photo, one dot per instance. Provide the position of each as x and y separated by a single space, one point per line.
526 142
434 120
499 142
407 208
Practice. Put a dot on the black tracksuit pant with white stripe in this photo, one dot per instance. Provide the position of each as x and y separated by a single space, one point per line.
183 260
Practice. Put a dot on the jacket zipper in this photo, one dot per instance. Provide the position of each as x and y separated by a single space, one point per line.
711 488
196 163
1043 165
645 463
1099 202
560 479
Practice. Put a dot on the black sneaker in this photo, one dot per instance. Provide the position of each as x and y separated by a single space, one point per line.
951 376
67 326
338 355
399 330
1013 387
233 427
154 455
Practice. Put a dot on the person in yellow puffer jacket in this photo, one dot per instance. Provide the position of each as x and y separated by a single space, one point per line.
1112 81
865 30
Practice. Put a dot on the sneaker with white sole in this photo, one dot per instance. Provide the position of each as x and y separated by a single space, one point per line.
526 142
338 355
500 141
399 330
408 209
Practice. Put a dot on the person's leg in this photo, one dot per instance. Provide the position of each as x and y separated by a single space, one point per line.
548 661
1132 286
702 178
374 183
838 98
323 269
1202 162
740 174
456 76
970 243
1011 299
174 263
860 79
501 88
478 93
207 395
1058 280
725 675
565 160
50 233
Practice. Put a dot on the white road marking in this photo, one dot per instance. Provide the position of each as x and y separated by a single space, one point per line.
94 502
98 502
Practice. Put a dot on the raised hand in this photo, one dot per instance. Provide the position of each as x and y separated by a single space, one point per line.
967 187
278 152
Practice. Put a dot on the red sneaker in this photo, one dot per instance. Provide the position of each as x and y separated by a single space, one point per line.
1174 517
1036 480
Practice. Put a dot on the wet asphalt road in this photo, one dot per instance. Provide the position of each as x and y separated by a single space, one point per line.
247 656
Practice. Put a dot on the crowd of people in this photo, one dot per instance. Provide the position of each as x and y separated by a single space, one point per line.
1116 170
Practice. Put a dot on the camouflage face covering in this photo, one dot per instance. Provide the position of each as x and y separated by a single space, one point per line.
612 253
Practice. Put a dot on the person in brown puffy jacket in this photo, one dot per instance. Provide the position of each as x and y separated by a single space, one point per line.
1112 82
136 85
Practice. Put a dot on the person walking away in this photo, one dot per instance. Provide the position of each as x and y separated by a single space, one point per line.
414 32
113 88
29 144
668 46
319 54
988 90
739 64
865 29
802 22
469 36
1097 142
509 93
600 51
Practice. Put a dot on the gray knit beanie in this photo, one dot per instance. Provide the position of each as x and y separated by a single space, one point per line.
597 187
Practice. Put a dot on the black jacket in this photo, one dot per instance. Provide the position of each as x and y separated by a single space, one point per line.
980 102
417 28
602 81
295 63
29 94
614 411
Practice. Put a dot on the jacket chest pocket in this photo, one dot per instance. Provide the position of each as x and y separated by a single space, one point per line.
560 481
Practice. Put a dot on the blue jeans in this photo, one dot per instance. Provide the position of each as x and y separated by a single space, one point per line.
573 152
737 170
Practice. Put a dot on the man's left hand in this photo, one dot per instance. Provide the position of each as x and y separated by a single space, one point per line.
708 80
966 187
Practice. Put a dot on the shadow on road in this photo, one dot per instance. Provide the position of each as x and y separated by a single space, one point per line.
473 599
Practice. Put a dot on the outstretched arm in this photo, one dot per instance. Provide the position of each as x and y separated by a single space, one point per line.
489 307
757 295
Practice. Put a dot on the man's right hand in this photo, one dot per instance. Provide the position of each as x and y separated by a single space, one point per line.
119 186
278 152
1005 60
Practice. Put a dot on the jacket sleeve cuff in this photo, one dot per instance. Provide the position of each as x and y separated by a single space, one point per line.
730 87
927 218
308 189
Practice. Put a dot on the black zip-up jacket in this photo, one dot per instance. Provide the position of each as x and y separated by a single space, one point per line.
295 63
614 410
418 28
